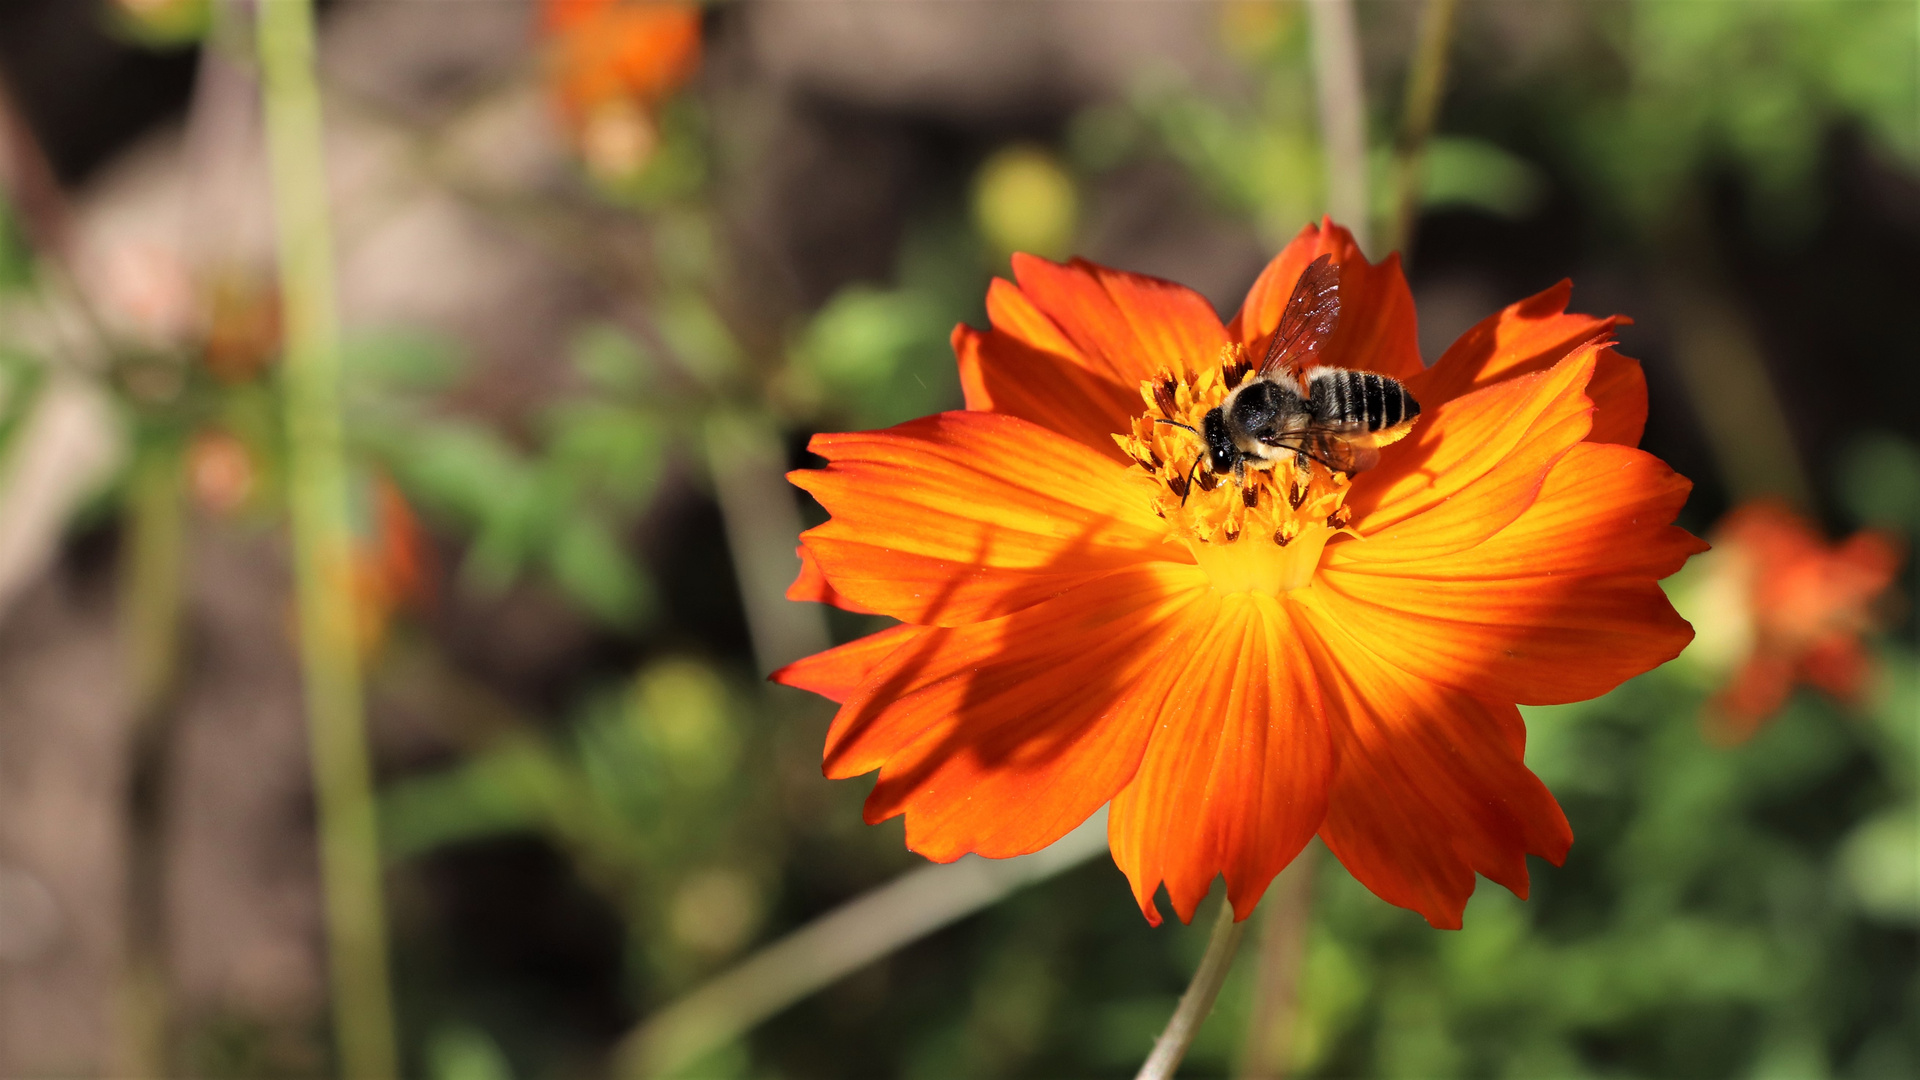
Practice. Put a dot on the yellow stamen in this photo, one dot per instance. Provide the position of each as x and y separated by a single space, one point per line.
1265 536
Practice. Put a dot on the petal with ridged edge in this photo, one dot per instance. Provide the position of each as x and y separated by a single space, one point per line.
1561 605
812 585
1377 329
1000 372
999 737
1235 779
838 672
966 516
1133 325
1431 786
1469 468
1534 335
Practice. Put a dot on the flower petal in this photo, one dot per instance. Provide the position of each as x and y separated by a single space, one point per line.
1235 779
1431 786
967 516
813 585
838 672
999 737
1001 372
1377 329
1534 335
1561 605
1469 468
1133 325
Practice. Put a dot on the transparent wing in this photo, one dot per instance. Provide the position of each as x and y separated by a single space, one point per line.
1308 321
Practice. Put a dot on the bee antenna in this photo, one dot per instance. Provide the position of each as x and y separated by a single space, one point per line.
1187 489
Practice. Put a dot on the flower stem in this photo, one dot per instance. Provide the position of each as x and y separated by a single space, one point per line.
317 495
1426 84
1343 114
1281 953
1197 1002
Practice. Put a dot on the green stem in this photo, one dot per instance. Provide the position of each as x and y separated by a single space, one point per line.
1281 955
350 863
1343 114
1197 1002
151 578
1426 84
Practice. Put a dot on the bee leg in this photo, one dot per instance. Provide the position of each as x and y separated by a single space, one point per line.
1240 472
1300 459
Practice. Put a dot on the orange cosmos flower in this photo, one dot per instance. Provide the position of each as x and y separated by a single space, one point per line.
1312 654
611 63
1807 604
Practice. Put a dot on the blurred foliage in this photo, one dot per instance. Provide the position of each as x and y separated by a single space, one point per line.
1756 86
560 505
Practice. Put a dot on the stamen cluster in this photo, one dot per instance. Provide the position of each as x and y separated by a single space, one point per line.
1277 504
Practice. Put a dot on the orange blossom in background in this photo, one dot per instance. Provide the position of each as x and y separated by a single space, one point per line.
1806 604
610 64
1314 654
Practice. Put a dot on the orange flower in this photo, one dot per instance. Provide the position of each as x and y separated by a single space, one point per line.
611 64
1314 654
1807 605
392 568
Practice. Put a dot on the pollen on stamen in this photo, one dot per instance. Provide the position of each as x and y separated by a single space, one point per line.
1289 500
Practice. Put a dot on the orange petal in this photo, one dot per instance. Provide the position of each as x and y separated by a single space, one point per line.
1001 372
1561 605
813 585
1469 468
1840 666
999 737
1757 690
1534 335
1431 786
1235 779
838 672
1129 327
966 516
1377 329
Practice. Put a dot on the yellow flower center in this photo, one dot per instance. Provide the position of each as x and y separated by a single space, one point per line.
1264 536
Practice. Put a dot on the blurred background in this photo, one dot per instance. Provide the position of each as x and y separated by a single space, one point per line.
602 268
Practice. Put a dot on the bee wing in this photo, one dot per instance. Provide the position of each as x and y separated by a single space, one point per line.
1308 320
1347 455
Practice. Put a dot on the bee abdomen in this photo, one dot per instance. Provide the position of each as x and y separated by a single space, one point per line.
1359 399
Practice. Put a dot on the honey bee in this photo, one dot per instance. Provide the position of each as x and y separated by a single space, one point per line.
1292 408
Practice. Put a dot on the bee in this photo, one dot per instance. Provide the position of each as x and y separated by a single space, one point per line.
1292 408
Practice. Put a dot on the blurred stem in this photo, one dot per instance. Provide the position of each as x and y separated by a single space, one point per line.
1283 949
151 579
1718 355
835 944
763 525
350 864
1343 114
1197 1002
1426 85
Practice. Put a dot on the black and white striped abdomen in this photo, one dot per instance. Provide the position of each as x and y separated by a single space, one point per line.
1358 400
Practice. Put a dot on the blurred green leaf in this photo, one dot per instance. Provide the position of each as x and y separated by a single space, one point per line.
593 570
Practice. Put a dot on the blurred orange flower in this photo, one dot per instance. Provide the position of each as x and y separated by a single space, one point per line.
392 567
1235 673
611 63
1808 603
220 471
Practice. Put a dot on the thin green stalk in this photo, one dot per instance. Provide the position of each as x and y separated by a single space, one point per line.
1426 85
1197 1002
1282 952
350 862
151 577
1343 114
